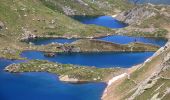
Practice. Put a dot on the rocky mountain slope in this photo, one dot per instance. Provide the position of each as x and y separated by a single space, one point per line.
147 81
88 7
146 20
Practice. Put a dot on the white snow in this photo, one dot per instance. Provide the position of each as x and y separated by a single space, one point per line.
116 78
114 15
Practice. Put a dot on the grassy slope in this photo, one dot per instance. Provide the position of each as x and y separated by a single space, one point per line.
158 20
86 45
41 18
97 45
33 15
98 7
127 87
142 26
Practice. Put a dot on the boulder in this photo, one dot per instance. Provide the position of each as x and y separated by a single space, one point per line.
1 25
27 35
49 54
68 10
66 78
135 15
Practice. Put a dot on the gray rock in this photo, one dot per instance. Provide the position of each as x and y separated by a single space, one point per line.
76 49
82 2
135 15
68 11
49 54
66 78
27 35
1 25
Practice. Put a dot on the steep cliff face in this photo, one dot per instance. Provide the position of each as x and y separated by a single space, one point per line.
143 15
148 81
1 25
136 15
145 20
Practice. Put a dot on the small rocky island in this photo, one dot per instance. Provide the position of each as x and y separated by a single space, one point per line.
93 45
67 72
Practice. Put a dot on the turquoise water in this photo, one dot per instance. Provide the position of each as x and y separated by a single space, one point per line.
101 60
43 86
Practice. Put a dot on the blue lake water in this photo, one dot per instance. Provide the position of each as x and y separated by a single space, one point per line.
106 21
127 39
114 39
166 2
102 60
43 86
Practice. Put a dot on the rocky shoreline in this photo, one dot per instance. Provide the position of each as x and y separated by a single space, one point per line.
67 73
27 20
28 37
92 45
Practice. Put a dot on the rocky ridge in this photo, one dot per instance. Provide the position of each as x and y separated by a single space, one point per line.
136 15
149 80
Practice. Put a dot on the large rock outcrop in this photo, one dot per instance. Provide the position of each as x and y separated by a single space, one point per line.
27 35
136 15
147 81
66 78
1 25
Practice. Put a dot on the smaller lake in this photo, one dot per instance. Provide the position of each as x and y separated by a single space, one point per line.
127 39
106 21
166 2
101 60
43 86
115 39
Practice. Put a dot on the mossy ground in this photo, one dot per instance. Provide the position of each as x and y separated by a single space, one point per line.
81 73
